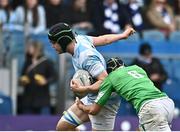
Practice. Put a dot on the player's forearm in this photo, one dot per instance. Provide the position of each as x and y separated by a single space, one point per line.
110 38
86 108
114 37
94 87
90 109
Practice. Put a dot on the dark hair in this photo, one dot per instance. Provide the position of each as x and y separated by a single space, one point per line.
35 14
145 49
176 7
7 9
113 64
62 34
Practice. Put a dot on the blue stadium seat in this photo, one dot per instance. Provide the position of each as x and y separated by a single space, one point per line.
174 37
5 105
130 47
134 38
17 39
153 36
174 48
126 109
120 47
13 42
164 47
172 90
176 68
168 66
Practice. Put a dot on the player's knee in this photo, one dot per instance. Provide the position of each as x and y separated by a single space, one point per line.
58 127
69 121
63 126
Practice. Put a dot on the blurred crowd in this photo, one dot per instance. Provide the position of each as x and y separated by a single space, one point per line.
93 17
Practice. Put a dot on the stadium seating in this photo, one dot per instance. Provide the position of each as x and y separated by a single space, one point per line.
5 105
123 47
176 69
167 63
14 42
172 89
120 47
126 109
134 38
175 37
153 36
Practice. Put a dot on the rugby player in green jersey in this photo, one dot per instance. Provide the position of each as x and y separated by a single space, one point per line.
154 108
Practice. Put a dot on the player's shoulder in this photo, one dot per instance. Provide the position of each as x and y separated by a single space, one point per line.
81 38
134 67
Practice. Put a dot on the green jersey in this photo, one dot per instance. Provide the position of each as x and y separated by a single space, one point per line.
131 83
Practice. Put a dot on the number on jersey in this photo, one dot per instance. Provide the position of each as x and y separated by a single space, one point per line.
135 74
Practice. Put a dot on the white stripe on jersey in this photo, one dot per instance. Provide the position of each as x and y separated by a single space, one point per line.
85 52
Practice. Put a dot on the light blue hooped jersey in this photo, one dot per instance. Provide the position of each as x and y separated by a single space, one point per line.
86 57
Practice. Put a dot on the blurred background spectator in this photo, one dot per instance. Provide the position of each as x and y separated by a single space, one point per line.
109 16
37 75
161 16
151 65
79 16
6 14
136 14
56 11
30 17
16 3
177 13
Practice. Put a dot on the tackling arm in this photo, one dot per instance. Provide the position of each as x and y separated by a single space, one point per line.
76 87
103 95
93 109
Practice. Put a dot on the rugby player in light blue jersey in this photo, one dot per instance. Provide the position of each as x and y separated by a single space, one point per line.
86 57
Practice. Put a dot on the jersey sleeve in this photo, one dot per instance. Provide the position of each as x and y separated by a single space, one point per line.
93 65
89 39
104 92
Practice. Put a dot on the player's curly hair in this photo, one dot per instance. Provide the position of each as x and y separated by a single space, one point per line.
113 64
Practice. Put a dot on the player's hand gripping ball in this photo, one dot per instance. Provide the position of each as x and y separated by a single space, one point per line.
84 79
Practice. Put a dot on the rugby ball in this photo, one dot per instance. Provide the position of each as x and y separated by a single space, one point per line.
84 78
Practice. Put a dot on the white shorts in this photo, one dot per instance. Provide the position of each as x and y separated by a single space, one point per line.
105 119
156 115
